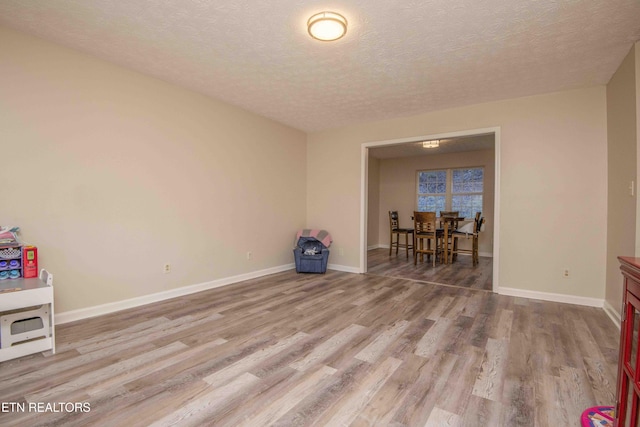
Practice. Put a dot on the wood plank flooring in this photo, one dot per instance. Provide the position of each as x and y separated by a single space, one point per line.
326 350
461 273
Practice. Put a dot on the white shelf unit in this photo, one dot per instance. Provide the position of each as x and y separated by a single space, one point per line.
23 299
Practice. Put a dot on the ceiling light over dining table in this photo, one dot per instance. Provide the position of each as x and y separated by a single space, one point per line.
431 144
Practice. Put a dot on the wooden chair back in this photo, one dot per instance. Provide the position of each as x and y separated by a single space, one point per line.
478 221
393 220
424 222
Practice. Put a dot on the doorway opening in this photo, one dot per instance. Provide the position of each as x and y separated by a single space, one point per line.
407 155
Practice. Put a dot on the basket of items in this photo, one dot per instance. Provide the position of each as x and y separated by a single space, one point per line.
9 253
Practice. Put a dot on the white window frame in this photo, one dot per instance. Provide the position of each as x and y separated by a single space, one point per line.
449 187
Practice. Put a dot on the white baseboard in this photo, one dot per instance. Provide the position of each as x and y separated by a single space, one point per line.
547 296
344 268
84 313
613 314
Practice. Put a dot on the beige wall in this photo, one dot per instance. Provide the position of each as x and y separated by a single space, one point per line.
112 174
553 177
397 179
622 170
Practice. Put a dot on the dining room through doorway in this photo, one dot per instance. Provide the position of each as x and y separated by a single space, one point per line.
392 171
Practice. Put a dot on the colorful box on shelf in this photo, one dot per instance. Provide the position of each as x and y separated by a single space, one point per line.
29 261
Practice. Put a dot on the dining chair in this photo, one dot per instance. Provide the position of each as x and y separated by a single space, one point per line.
453 217
396 230
425 229
472 233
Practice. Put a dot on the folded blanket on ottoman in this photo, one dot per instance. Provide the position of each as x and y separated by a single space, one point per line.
322 235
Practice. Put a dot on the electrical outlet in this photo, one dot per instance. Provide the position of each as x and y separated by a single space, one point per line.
167 268
249 255
565 273
341 251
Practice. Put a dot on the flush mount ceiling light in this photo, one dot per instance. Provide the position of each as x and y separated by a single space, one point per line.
327 26
431 144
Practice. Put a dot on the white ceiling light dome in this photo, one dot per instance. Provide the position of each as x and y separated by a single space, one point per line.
327 26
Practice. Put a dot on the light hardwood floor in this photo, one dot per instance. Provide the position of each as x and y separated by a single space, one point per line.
327 350
461 273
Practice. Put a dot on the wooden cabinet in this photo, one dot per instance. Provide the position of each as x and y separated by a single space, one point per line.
628 388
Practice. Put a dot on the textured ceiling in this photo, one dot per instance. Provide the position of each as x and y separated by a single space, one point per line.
399 58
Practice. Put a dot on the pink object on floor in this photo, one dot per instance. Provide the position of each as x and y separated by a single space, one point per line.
598 416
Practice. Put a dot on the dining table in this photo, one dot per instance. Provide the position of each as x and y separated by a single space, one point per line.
448 223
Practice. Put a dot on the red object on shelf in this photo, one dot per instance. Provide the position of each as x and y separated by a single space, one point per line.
29 261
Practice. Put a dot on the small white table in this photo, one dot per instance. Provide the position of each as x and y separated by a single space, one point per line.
22 299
